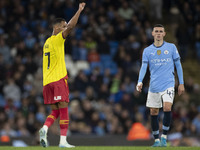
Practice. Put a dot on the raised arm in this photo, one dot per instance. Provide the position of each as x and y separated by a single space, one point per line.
72 23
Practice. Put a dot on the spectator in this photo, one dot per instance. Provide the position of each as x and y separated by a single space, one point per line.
196 123
12 91
5 50
125 11
93 55
103 46
156 9
197 40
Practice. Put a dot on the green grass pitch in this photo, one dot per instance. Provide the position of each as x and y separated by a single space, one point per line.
99 148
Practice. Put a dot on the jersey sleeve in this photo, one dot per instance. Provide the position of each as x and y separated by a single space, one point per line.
179 71
175 53
143 71
58 42
144 56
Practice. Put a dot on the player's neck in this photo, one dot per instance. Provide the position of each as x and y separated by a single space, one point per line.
55 32
158 43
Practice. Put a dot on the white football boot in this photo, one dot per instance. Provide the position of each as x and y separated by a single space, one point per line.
66 145
43 137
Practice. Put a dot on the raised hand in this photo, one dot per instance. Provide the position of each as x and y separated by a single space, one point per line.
81 6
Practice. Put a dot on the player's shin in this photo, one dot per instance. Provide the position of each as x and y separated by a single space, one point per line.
166 122
155 126
50 119
64 122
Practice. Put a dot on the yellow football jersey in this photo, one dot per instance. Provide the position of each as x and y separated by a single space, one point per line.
54 67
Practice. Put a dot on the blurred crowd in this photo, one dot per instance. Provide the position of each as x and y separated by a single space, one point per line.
110 37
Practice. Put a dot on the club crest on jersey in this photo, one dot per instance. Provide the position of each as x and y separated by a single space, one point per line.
46 46
166 52
158 52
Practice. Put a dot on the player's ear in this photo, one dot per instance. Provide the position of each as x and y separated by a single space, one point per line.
164 33
56 27
152 33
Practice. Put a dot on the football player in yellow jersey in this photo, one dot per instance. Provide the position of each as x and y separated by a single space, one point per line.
55 87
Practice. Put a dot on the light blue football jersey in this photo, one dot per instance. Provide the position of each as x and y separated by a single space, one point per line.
161 65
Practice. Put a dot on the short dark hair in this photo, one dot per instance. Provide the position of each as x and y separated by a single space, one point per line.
158 25
57 20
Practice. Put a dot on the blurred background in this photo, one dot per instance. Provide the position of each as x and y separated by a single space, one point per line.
103 58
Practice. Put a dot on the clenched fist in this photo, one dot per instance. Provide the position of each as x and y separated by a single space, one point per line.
81 6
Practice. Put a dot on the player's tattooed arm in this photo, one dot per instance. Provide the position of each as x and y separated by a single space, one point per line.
72 23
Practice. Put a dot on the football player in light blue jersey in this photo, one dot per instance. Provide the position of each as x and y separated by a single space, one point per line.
161 57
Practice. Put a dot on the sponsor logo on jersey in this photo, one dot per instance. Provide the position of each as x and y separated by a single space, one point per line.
153 53
158 52
159 62
166 52
57 98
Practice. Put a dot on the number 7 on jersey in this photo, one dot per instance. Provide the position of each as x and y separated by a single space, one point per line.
48 54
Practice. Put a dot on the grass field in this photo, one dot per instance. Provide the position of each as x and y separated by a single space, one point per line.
99 148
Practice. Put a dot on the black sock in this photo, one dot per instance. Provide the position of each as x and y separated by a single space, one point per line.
166 122
155 126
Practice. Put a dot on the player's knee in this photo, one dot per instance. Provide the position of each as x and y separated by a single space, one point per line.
167 108
154 111
62 104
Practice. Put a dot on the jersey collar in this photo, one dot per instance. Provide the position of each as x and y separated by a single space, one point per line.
160 45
